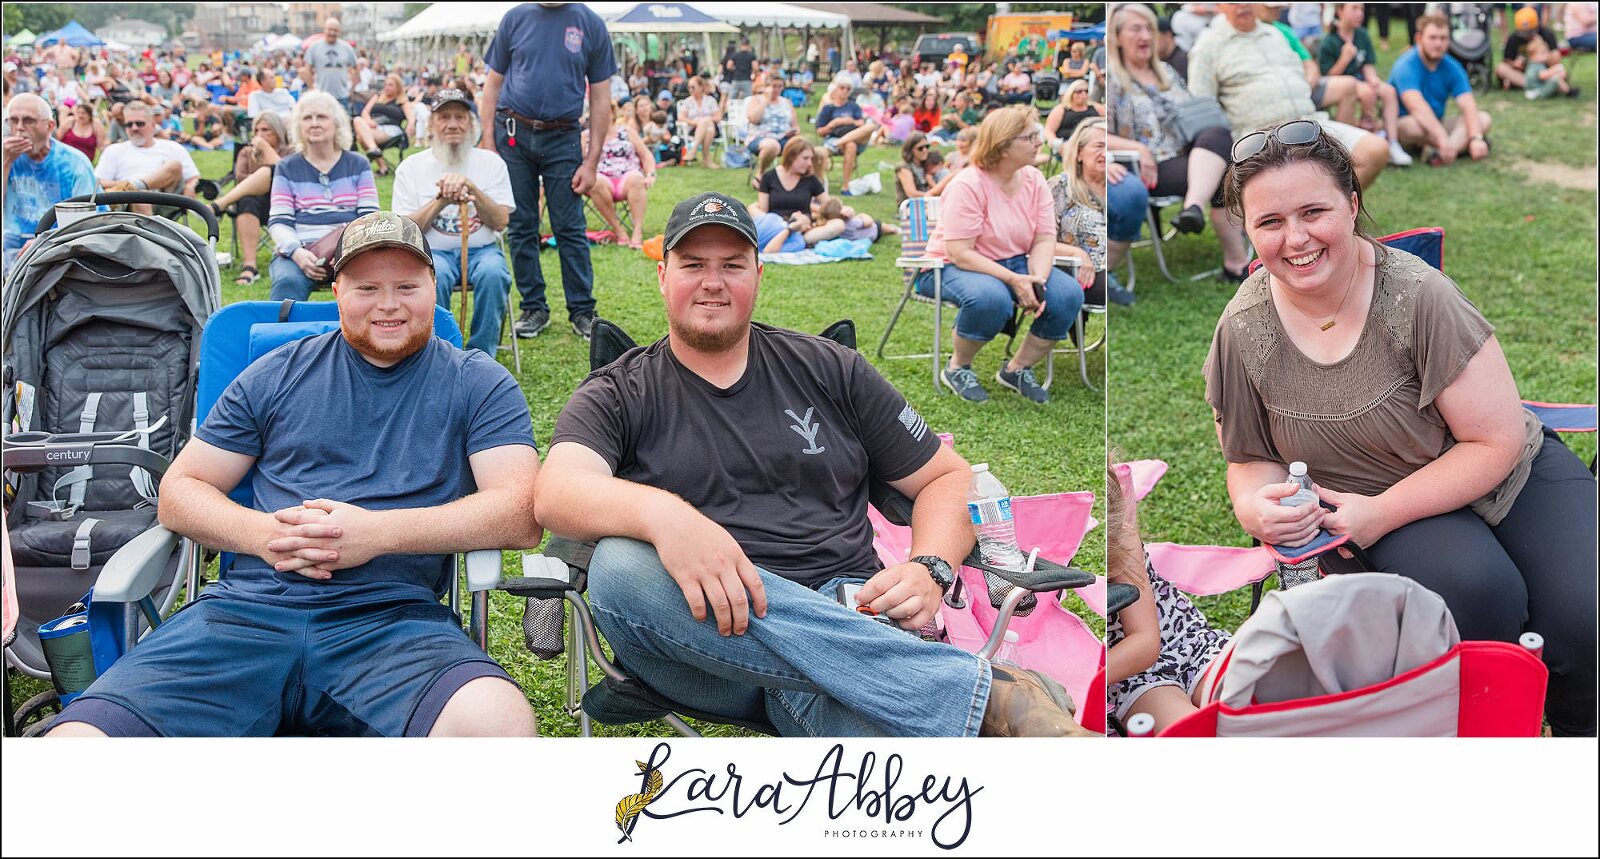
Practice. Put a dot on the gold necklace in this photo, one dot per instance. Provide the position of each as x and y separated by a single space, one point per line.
1333 320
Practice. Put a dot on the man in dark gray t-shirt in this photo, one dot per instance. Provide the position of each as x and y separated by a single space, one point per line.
724 472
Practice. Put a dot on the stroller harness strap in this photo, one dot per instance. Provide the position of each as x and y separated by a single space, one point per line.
80 544
140 478
79 477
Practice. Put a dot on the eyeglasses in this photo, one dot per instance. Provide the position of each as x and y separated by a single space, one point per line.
921 147
1030 137
135 124
1296 133
327 188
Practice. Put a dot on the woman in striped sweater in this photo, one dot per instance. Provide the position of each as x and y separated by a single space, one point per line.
315 191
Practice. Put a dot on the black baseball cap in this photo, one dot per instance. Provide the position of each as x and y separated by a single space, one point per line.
1164 24
454 96
709 208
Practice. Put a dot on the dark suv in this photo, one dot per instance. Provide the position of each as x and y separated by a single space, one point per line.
934 47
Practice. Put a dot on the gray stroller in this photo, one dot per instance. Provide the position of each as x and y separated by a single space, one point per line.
100 326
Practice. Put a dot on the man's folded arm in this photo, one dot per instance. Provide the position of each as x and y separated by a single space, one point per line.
500 515
578 497
939 523
194 500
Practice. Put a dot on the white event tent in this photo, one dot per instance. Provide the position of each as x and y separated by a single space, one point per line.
434 32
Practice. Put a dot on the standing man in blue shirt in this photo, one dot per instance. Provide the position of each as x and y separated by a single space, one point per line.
40 171
1426 77
544 59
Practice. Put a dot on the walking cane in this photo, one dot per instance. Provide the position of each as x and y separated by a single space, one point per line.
466 300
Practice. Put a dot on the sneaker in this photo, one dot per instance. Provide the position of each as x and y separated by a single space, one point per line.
1023 382
1190 220
965 383
531 322
1026 703
1398 156
583 324
1118 293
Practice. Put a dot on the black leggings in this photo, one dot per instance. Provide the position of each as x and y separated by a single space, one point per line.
1172 175
1535 572
1409 12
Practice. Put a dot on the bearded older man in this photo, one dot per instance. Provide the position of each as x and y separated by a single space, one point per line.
330 622
435 186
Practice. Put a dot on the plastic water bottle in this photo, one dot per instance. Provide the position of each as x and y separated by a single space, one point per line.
1291 575
1007 652
989 505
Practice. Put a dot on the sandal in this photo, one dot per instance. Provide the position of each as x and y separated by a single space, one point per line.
247 276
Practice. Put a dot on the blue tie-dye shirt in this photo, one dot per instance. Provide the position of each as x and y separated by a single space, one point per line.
34 186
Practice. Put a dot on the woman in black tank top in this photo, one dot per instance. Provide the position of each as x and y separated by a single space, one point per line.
383 119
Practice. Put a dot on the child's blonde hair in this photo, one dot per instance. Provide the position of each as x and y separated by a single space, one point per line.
1124 548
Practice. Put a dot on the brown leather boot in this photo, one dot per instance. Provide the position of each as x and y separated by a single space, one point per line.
1026 703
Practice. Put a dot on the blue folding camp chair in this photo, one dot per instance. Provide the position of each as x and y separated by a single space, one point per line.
233 338
240 333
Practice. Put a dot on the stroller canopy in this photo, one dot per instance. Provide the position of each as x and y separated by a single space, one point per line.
118 248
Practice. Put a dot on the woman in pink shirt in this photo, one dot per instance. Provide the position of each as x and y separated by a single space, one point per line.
996 233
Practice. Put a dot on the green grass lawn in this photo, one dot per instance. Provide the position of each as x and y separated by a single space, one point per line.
1032 449
1520 245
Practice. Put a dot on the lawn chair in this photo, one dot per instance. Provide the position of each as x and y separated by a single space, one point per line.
918 217
619 699
101 322
1051 639
1310 664
235 337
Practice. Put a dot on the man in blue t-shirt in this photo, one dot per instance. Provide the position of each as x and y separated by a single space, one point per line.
40 171
1426 77
330 621
543 62
843 127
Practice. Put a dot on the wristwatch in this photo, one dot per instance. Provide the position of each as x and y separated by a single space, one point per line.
939 570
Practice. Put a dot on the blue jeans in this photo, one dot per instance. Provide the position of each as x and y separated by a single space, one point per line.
1585 42
986 304
550 157
490 280
811 667
1126 204
288 281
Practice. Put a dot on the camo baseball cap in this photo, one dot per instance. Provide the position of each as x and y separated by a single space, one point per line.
381 230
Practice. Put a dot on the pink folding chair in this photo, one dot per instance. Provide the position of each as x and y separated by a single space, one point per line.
1051 639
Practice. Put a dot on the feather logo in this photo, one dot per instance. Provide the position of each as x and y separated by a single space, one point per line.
629 809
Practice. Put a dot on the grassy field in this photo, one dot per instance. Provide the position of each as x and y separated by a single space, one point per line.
1033 449
1519 240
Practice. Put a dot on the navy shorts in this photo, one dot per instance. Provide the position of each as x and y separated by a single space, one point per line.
231 667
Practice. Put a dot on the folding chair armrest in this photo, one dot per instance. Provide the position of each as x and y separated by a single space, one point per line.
892 503
483 570
919 263
134 571
547 578
1119 595
1046 575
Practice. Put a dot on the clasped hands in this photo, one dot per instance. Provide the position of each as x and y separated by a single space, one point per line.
1362 517
456 188
319 537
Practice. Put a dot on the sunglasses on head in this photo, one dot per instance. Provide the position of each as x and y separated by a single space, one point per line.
1296 133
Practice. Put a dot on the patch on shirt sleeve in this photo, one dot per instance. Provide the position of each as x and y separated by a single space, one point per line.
913 422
